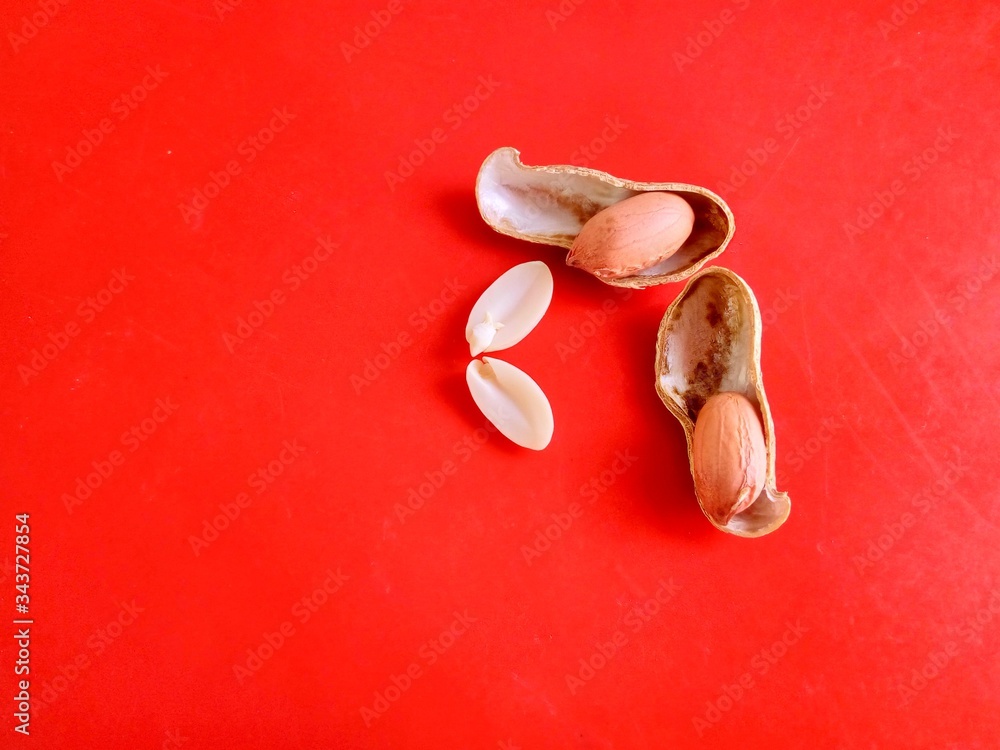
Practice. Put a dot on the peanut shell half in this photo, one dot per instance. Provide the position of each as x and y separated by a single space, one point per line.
709 343
550 205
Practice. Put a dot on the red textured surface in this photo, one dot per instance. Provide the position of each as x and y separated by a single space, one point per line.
880 358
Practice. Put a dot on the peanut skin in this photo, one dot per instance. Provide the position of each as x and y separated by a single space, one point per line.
632 235
729 456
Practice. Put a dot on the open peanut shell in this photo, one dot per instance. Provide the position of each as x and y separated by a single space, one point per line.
550 205
709 343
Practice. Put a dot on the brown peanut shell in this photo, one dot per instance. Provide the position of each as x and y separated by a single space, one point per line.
550 205
709 342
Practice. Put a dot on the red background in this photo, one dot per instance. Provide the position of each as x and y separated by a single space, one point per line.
880 359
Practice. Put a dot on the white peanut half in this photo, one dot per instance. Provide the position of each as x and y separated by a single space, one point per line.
512 401
509 308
